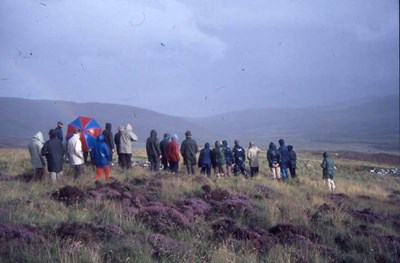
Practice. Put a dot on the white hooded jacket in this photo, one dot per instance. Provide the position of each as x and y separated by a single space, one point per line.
75 150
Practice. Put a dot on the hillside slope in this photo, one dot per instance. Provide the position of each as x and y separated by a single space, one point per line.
370 126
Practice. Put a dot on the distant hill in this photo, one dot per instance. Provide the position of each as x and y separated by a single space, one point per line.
22 118
370 126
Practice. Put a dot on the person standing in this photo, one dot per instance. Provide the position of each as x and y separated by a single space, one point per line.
101 156
59 130
292 161
273 158
126 146
188 150
153 151
163 149
117 141
109 140
252 156
239 159
205 160
328 169
54 151
75 153
228 157
284 158
37 159
219 159
173 156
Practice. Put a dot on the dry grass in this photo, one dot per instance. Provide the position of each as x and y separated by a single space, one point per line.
292 202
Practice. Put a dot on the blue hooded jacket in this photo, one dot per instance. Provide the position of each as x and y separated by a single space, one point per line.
100 153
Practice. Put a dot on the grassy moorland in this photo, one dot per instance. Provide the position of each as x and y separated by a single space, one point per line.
144 217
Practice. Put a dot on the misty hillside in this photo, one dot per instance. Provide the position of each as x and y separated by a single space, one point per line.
374 122
372 125
21 118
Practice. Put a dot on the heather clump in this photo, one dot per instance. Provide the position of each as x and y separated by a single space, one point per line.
87 232
69 195
163 218
15 238
166 247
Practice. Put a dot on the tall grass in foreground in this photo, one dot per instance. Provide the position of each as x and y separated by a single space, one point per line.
298 203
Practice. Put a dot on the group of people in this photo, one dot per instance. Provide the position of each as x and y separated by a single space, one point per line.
54 152
223 159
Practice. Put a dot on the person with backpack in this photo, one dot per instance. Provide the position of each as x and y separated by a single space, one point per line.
284 160
219 159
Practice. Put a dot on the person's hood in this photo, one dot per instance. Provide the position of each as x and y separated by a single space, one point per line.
325 154
281 142
290 147
166 136
129 127
225 143
207 145
174 137
272 146
39 136
100 138
108 126
153 134
218 144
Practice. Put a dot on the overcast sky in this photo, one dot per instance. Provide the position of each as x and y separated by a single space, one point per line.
199 58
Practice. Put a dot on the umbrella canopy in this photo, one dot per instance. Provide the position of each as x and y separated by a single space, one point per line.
90 129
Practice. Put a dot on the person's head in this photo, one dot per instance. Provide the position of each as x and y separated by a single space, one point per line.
100 138
290 147
218 144
281 142
153 133
60 124
174 137
77 131
52 133
272 146
121 128
252 144
225 143
207 145
167 136
188 134
108 126
237 142
325 154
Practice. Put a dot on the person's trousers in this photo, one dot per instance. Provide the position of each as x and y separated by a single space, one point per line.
275 172
39 174
292 172
331 184
174 167
77 171
126 162
189 167
284 173
56 176
100 170
254 171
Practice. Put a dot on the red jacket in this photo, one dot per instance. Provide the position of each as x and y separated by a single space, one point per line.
173 152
